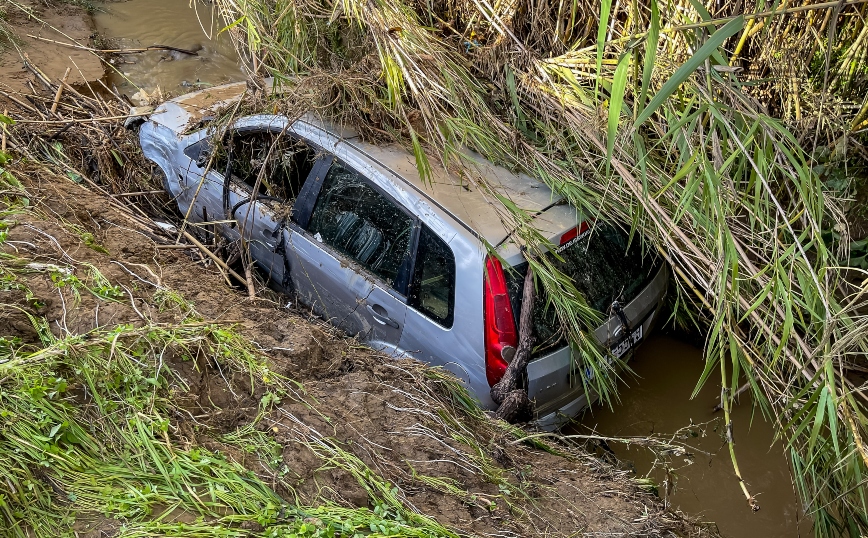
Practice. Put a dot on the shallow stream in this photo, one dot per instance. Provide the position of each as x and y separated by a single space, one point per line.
655 402
144 23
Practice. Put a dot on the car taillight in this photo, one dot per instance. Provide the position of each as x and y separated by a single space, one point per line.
501 338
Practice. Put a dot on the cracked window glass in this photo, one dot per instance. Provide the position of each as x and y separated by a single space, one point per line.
433 291
358 221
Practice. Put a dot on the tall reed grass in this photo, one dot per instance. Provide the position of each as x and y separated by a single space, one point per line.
709 129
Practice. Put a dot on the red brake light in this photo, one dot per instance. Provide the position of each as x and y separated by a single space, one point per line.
574 233
500 330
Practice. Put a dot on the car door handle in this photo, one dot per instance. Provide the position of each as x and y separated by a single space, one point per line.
379 313
270 234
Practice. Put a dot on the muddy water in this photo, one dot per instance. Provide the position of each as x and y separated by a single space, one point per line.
658 402
142 23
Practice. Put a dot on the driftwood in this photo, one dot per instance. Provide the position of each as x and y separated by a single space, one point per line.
513 401
117 51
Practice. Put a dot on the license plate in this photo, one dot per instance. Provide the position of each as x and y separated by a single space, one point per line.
628 343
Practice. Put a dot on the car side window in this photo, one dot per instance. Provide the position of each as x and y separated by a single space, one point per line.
354 218
287 164
433 288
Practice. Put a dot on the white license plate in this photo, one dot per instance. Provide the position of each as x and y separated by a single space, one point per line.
627 344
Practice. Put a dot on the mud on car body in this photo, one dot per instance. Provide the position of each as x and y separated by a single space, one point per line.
355 233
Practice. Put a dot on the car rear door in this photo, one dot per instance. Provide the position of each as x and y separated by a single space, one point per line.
351 254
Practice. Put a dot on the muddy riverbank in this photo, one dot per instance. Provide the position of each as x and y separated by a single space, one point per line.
56 37
179 405
58 22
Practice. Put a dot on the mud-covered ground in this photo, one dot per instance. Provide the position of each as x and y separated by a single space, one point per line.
51 20
400 419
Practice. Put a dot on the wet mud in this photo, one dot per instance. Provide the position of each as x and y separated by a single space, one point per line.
57 22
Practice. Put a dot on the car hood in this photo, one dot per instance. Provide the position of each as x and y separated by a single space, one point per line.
189 110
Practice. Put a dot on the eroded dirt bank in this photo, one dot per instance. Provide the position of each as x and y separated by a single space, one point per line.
151 359
52 21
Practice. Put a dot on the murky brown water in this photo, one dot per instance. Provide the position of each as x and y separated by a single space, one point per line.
658 402
142 23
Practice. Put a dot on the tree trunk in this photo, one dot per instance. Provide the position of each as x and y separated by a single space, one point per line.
515 406
513 401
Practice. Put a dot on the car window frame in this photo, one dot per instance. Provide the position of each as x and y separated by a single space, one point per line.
405 274
449 322
303 200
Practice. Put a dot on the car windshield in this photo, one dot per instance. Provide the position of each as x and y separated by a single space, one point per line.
604 266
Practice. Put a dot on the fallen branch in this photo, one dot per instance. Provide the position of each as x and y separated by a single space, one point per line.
84 120
59 91
220 263
138 193
116 51
513 401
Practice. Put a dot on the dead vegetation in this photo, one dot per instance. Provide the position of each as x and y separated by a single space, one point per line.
142 395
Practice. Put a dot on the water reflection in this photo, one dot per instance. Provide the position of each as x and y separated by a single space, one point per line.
658 402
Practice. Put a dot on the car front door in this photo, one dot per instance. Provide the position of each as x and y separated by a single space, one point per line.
201 186
352 256
266 168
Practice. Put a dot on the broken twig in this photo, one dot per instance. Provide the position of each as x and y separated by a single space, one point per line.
59 91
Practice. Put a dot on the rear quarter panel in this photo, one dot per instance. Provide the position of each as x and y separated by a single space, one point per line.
158 145
458 349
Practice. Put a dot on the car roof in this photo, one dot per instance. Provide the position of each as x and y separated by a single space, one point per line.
473 200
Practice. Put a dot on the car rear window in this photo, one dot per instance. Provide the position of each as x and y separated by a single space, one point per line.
604 267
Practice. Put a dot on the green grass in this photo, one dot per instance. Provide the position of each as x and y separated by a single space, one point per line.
89 422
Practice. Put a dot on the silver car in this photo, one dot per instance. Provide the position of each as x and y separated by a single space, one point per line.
353 232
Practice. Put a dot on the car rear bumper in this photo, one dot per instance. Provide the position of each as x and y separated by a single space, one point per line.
553 380
554 420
